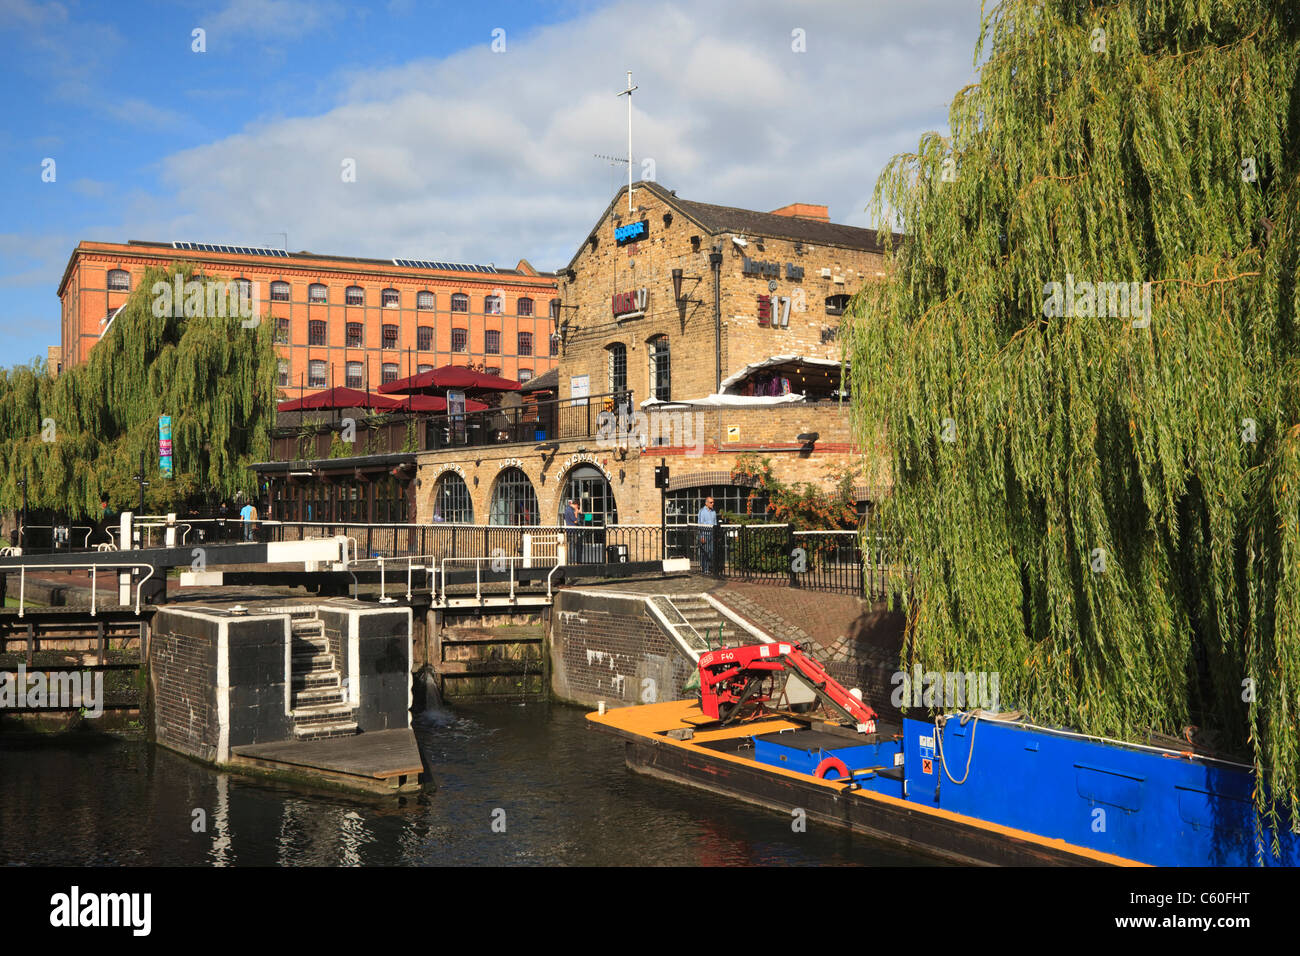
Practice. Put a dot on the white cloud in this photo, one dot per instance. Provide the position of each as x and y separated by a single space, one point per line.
489 157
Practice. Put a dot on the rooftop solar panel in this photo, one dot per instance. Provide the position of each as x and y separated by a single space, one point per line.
237 250
441 265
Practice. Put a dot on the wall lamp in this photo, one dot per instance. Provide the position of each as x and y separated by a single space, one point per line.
677 287
808 439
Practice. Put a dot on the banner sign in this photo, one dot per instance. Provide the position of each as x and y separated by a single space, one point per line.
165 444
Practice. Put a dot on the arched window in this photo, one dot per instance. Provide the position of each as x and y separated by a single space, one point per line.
279 291
617 367
354 295
459 340
587 486
424 301
513 499
492 342
283 369
390 299
525 375
836 304
524 307
354 331
316 373
316 293
316 332
424 338
119 280
244 288
451 501
492 305
388 338
460 302
660 372
421 369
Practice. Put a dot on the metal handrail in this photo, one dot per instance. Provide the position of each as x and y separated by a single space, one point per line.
93 567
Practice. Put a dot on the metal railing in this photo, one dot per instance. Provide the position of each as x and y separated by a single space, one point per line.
93 568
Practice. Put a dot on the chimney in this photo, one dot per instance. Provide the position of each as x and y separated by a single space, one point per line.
803 210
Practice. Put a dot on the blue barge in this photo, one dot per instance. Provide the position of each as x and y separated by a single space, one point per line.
969 788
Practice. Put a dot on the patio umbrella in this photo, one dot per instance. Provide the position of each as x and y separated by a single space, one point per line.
433 403
450 376
339 397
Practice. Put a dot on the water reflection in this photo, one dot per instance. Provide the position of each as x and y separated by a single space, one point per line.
565 793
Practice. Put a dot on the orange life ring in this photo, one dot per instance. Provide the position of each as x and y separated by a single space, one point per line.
829 764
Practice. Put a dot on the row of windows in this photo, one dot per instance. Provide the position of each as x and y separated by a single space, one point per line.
354 373
317 335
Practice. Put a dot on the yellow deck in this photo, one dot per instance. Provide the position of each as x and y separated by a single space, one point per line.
651 721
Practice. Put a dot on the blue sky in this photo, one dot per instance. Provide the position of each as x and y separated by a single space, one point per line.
461 152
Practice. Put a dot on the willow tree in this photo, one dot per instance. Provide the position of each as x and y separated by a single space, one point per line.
81 434
1099 483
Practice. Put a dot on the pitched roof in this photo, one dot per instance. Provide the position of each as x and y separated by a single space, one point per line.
548 379
716 220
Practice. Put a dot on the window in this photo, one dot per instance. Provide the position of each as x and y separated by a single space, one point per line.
459 340
684 504
279 292
525 343
244 288
492 305
460 302
617 367
525 374
421 369
355 295
282 331
119 280
492 342
390 336
389 372
390 299
316 293
555 345
316 373
315 332
283 369
660 379
354 335
524 307
836 304
354 375
451 501
492 370
424 301
513 500
424 338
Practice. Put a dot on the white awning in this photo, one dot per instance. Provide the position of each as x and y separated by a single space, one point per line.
753 367
729 401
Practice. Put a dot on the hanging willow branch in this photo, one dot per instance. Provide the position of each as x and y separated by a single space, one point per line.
1103 502
215 378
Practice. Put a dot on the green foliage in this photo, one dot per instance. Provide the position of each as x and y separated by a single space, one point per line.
804 505
1106 512
214 378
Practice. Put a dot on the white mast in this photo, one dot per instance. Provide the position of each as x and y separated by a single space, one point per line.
628 93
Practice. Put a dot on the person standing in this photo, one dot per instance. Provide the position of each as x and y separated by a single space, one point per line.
248 514
571 536
708 525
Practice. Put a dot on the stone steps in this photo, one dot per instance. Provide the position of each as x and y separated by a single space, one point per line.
320 706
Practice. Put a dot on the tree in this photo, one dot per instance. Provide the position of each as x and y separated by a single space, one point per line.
1101 490
82 433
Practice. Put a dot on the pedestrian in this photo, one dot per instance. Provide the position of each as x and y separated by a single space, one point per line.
571 536
708 523
248 514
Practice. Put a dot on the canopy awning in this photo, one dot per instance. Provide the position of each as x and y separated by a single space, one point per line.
339 397
729 401
450 376
819 374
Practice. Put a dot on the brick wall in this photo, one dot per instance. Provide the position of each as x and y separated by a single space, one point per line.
183 680
609 648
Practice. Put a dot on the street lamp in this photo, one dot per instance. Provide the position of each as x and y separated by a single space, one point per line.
143 482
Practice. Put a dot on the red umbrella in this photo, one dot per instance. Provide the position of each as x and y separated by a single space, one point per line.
339 397
450 376
433 403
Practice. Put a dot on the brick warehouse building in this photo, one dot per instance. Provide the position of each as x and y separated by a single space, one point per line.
657 308
339 320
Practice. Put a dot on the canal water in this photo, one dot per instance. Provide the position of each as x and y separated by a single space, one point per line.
559 791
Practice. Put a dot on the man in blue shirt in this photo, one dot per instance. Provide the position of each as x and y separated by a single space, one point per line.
571 534
708 522
248 514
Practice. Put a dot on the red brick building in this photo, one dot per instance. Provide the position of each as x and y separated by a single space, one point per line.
339 320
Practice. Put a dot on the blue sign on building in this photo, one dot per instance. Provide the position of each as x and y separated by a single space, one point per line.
632 232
